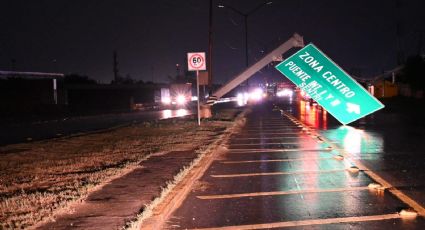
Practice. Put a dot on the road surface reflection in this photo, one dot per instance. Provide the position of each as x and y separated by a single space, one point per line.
168 113
358 142
313 115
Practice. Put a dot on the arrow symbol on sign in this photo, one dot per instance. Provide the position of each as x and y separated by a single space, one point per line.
353 108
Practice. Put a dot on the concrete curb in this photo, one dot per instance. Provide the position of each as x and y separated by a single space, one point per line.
173 199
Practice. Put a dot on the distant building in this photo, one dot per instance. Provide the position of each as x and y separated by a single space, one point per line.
384 89
26 92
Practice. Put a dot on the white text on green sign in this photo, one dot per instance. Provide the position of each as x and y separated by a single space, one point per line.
325 82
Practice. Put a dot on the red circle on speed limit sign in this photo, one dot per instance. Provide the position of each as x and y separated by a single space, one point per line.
196 61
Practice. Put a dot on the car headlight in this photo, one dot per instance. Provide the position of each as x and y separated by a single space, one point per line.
181 100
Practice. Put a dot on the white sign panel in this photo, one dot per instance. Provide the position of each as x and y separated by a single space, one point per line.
196 61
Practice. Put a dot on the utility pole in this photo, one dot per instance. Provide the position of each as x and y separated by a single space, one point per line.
13 61
420 43
400 53
178 72
153 71
245 16
116 73
13 67
210 45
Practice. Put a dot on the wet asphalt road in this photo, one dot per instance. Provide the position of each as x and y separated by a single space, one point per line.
276 174
24 132
391 143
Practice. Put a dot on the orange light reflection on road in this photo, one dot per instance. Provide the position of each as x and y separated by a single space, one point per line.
325 119
352 140
310 115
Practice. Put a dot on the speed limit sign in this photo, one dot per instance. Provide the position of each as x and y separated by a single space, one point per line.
196 61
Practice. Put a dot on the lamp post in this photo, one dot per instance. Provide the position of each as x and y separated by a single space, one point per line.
210 45
245 16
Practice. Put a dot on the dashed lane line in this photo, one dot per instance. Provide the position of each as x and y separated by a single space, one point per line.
276 150
274 173
279 193
270 138
268 133
276 193
277 160
272 130
304 142
339 220
399 194
268 127
263 133
274 143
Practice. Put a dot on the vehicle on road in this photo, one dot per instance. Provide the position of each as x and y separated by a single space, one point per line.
178 95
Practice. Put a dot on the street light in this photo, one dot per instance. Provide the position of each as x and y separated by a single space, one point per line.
246 15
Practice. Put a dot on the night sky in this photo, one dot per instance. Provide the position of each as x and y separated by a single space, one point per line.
151 37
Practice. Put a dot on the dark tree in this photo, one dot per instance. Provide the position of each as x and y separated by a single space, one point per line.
414 72
78 79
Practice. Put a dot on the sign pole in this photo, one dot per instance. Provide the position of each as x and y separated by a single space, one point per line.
196 62
55 91
197 91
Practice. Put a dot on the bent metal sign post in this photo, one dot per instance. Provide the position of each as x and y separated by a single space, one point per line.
325 82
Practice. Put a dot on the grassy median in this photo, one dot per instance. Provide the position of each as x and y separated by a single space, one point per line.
41 178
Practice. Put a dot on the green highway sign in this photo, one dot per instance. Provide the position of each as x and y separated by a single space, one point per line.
324 81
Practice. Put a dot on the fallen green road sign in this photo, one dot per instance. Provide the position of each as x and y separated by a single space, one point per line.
324 81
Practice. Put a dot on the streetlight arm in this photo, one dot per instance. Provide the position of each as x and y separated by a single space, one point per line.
295 41
259 7
222 5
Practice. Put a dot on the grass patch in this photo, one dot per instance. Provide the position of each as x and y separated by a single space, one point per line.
217 145
41 178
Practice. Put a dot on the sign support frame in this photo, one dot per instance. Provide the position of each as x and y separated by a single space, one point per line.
197 91
196 62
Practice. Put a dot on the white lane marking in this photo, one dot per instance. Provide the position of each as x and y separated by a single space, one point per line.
308 222
306 142
268 133
274 143
279 193
277 122
270 138
299 189
272 130
283 133
274 173
399 194
271 127
276 150
277 160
